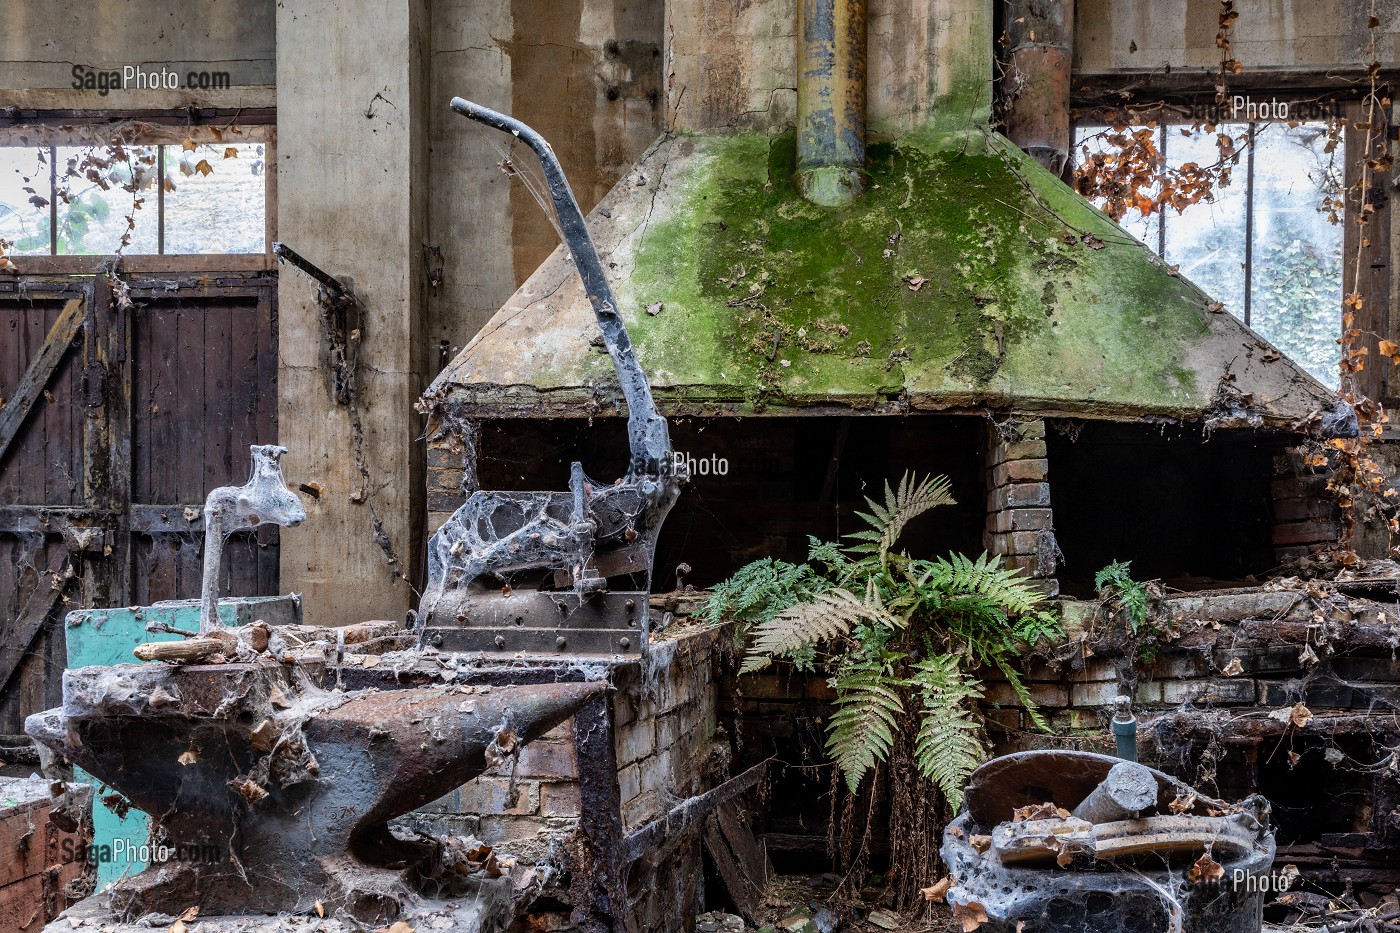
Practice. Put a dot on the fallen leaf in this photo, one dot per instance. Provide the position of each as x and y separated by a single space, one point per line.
1233 668
230 152
1206 870
1215 307
915 282
1041 811
1333 755
655 308
938 890
1184 803
190 913
1132 47
190 756
1092 241
1293 759
1300 715
177 927
980 842
188 144
203 167
320 909
972 915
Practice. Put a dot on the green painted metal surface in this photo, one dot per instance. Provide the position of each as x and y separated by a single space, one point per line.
103 637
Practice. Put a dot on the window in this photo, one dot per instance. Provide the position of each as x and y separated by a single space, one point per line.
162 196
1269 244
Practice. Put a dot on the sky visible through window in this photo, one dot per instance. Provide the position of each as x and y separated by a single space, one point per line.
1264 245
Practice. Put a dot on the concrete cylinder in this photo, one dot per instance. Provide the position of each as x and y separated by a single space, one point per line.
831 101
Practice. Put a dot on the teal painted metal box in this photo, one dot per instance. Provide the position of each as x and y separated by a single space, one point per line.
103 637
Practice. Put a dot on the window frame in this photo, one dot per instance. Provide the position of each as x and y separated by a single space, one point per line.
1098 95
146 129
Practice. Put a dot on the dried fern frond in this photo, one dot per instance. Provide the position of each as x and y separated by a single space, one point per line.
862 729
827 615
888 521
947 748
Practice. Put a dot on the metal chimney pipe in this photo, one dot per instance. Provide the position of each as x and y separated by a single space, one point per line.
831 101
1036 84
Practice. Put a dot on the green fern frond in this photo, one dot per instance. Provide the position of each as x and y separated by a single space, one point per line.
827 615
1005 587
947 748
888 521
1024 695
760 590
862 730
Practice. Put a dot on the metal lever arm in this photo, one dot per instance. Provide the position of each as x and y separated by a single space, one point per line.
647 432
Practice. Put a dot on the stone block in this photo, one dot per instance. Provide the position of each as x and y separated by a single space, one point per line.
1232 691
1022 520
1019 496
1020 471
560 799
544 759
629 782
635 741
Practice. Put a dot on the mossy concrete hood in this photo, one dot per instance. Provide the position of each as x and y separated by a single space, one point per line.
966 278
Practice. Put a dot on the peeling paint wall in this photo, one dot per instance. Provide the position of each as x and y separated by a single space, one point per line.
1142 35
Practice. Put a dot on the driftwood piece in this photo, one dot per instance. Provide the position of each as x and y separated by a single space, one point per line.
189 651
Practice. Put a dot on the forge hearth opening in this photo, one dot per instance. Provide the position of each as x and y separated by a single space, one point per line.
1182 506
766 483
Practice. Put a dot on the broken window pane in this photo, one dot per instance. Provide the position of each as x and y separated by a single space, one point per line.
219 198
24 200
104 193
1207 239
1297 250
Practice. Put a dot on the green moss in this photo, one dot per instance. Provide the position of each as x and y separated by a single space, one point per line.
960 272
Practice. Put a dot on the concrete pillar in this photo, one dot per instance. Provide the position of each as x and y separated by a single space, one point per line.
352 172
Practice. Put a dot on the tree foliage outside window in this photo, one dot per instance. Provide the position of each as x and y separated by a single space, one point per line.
1251 212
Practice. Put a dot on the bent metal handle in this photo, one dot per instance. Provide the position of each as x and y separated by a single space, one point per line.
646 429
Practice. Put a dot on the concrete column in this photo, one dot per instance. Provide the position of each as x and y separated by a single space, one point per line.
352 172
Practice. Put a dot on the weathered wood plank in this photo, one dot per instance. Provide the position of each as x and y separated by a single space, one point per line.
20 635
16 409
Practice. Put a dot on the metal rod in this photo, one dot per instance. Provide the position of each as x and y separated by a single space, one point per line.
831 101
287 254
1040 36
647 431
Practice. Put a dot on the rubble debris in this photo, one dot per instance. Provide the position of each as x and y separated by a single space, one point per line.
1117 863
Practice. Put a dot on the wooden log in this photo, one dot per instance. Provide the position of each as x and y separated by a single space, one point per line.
189 651
1128 790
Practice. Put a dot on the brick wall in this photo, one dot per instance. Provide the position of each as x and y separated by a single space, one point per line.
37 858
664 726
1306 516
1020 521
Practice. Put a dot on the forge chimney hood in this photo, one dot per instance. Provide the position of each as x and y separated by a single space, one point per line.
965 278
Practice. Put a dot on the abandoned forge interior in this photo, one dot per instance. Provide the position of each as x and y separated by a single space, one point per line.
699 466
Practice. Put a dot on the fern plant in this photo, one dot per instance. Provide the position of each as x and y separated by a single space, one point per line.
1122 593
898 635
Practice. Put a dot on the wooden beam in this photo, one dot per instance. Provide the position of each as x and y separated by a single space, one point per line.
40 371
21 634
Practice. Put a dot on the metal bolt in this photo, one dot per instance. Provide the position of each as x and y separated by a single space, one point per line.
437 641
631 605
500 641
560 642
625 642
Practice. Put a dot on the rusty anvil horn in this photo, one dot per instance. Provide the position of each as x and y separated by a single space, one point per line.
296 784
